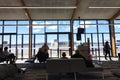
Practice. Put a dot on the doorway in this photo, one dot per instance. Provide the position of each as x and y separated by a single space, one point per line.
58 43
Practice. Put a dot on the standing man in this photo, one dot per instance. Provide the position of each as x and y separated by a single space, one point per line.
107 50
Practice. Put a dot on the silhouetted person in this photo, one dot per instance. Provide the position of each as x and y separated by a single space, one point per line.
41 56
45 49
107 50
2 57
64 56
8 56
78 55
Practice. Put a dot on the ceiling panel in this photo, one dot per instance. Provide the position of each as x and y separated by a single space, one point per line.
50 14
83 9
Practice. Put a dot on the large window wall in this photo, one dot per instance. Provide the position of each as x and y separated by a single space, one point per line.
117 34
97 31
56 34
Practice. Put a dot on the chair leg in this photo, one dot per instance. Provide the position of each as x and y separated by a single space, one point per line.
103 75
46 76
75 76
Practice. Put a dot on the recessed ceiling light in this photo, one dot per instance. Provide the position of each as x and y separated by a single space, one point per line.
104 7
17 7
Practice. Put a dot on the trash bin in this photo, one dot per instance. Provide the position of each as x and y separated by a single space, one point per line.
118 56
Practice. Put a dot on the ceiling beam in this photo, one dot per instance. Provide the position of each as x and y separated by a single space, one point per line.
115 15
26 11
75 9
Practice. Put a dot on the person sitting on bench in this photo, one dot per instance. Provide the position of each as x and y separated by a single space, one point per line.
2 57
8 56
78 55
41 56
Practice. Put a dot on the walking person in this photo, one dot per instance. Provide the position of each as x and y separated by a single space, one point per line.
107 50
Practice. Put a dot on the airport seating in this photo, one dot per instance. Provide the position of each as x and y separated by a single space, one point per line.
9 72
31 60
71 66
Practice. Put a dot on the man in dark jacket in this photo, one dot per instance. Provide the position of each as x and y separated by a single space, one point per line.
78 55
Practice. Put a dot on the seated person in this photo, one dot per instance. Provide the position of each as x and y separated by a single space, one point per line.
78 55
45 49
41 56
8 56
64 56
2 57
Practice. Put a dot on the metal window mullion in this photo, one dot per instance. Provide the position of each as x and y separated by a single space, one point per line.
16 40
34 43
22 46
10 42
98 40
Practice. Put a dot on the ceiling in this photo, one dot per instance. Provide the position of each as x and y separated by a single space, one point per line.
9 9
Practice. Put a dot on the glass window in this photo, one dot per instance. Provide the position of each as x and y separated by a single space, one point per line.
90 22
52 42
76 25
6 40
0 29
38 22
52 28
1 22
38 27
23 22
103 28
117 42
0 40
13 44
64 28
107 37
9 22
9 29
25 45
23 30
103 22
90 26
63 40
50 22
117 25
76 42
64 22
39 41
64 44
116 21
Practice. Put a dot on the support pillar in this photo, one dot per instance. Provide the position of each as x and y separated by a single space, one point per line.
30 39
112 38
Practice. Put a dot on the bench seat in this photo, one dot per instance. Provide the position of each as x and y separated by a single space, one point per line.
73 65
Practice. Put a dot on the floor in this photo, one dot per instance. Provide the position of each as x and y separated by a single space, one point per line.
38 72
